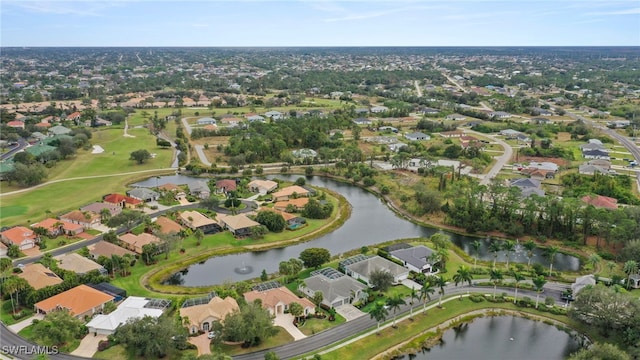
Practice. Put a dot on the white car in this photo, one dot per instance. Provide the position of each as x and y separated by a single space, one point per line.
211 335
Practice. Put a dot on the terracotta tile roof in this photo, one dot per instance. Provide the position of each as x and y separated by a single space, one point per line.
285 215
105 248
170 187
195 219
39 276
138 241
227 184
78 300
48 224
236 222
298 203
600 201
271 298
216 308
79 216
289 190
118 198
167 225
77 263
18 234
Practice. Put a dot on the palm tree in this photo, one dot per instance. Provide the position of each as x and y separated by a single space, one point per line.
199 235
509 246
425 293
496 276
495 248
551 252
530 246
630 268
394 304
379 313
461 276
594 260
443 257
517 277
10 286
440 282
476 244
413 295
538 284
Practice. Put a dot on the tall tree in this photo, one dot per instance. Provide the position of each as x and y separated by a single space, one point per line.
551 252
381 279
425 293
495 248
476 245
496 276
463 275
379 313
413 295
630 268
538 285
314 257
394 304
517 277
530 246
440 283
509 246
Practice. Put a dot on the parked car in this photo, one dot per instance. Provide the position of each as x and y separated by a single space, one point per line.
567 295
211 335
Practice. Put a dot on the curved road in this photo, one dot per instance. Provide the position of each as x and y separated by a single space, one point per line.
325 338
500 160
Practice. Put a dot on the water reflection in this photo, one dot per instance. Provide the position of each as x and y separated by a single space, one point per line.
371 222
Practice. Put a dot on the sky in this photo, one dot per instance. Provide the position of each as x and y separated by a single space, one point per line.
242 23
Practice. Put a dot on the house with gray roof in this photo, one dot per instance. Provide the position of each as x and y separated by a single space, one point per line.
593 146
362 269
416 258
274 115
417 136
362 121
206 121
199 189
336 288
596 154
143 194
509 133
587 169
59 130
528 187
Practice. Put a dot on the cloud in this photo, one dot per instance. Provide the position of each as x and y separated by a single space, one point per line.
352 16
79 8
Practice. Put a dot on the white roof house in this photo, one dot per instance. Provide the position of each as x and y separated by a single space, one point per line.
132 307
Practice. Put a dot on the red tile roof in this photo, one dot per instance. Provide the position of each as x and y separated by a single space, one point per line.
18 234
600 201
78 300
118 198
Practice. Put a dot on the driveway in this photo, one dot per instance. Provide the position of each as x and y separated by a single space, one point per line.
411 284
286 321
89 345
24 323
202 342
349 312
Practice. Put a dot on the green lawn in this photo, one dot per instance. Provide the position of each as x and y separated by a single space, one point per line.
281 338
6 314
27 333
14 210
314 326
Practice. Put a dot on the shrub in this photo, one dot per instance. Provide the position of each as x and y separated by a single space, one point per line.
476 298
549 301
384 190
525 301
103 345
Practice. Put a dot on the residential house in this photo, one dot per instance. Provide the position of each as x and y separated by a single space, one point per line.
396 146
605 164
297 204
455 117
361 267
541 112
58 130
277 300
288 193
619 124
595 154
133 307
274 115
362 121
16 124
545 165
80 301
206 121
378 109
538 174
107 249
143 194
136 242
255 118
20 236
200 314
122 201
416 258
293 221
97 208
360 111
528 186
225 186
3 250
53 226
587 169
39 149
601 202
168 226
452 134
74 116
304 153
509 133
177 191
417 136
593 146
336 288
78 264
540 121
195 220
388 129
499 115
87 219
39 276
239 225
200 189
429 111
262 186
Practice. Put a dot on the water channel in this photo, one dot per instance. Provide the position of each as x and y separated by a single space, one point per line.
371 222
502 337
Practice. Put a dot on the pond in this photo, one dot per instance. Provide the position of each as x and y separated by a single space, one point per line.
503 337
371 222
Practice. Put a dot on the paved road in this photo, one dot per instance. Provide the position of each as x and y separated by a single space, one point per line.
417 85
500 160
22 143
348 329
202 155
